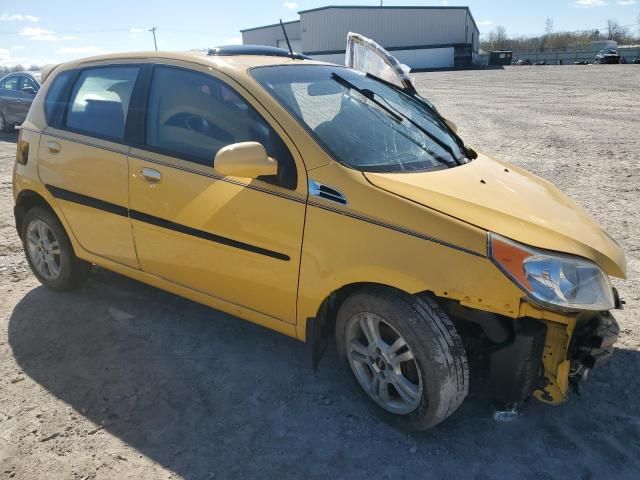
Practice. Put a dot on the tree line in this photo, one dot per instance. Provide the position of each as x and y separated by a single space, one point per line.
498 39
19 68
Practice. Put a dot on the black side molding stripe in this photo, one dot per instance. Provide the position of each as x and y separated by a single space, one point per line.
69 196
78 198
397 228
160 222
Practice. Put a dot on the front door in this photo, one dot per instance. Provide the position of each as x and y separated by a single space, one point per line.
27 90
83 162
235 239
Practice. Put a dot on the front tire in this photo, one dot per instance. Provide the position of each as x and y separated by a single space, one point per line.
404 353
49 252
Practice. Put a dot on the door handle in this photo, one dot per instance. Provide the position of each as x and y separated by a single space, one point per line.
54 147
151 175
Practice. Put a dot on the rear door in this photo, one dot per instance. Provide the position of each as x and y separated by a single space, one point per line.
235 239
83 159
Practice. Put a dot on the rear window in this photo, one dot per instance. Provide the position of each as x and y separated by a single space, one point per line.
54 102
100 101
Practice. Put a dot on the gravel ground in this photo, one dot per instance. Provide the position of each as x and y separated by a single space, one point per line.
120 380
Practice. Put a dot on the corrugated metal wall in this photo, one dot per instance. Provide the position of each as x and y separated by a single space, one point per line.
421 37
326 29
270 35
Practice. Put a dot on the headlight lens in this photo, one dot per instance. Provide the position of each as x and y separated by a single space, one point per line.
565 281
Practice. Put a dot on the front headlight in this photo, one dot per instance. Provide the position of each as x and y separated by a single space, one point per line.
553 279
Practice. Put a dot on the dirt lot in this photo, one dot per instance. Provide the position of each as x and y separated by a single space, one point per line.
120 380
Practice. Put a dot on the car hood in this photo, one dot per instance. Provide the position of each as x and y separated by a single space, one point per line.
502 198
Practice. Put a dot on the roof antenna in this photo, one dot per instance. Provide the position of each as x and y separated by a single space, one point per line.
286 37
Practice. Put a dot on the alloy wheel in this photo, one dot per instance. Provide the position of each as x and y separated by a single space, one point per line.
44 250
383 363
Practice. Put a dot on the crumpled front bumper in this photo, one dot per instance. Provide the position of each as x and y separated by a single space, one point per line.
592 343
572 349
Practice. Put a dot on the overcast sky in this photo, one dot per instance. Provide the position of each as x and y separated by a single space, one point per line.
46 31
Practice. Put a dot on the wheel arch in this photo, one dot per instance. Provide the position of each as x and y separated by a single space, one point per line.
25 201
320 329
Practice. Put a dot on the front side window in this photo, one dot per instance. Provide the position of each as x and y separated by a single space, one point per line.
100 101
192 115
364 123
27 82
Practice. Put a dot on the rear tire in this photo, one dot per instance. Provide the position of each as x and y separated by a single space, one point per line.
49 252
433 370
4 125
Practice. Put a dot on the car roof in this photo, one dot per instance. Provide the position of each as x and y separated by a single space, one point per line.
34 75
227 61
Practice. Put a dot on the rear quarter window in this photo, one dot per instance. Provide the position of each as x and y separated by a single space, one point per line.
55 102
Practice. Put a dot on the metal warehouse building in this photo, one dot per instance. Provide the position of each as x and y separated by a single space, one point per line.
421 37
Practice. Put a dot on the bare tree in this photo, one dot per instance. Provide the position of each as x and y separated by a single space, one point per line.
616 32
548 26
498 38
548 39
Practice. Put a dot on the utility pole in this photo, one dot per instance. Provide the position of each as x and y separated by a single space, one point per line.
153 30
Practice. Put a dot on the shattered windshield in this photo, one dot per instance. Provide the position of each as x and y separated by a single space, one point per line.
362 122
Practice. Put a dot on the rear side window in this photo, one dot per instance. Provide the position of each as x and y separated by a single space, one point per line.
100 101
55 102
10 83
193 115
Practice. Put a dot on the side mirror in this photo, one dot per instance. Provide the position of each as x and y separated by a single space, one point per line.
451 125
245 159
29 90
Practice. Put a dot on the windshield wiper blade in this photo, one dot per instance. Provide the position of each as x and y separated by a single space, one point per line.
471 154
368 94
442 144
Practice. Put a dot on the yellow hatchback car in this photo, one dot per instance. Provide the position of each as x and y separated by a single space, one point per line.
322 202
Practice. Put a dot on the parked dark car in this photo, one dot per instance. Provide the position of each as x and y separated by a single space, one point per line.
607 56
17 91
522 62
637 61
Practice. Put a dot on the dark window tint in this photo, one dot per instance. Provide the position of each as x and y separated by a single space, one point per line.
100 100
192 115
54 102
10 83
27 82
